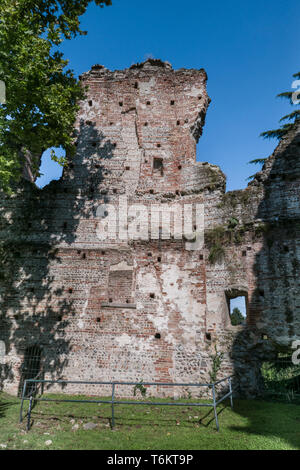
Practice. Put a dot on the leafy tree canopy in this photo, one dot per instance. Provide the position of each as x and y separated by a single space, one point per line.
41 94
237 317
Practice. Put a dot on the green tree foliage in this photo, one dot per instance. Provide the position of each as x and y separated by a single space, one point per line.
293 117
41 94
279 133
237 317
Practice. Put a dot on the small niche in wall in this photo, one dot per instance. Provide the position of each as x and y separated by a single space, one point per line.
208 336
157 336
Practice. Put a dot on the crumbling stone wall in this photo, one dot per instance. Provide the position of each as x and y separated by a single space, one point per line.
136 309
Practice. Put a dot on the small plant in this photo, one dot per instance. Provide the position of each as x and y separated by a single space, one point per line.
217 360
216 253
232 223
215 239
188 393
141 388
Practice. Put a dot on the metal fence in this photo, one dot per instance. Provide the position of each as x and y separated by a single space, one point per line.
215 400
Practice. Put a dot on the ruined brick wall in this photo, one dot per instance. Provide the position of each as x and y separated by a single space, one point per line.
135 309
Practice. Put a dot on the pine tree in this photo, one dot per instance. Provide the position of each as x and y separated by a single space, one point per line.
293 118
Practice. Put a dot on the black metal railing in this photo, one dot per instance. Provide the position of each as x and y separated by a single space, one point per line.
216 400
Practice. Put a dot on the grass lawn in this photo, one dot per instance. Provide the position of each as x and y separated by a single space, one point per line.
251 425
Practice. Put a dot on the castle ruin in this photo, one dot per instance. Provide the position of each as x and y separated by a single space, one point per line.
133 308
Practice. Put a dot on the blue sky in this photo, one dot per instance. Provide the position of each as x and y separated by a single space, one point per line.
250 50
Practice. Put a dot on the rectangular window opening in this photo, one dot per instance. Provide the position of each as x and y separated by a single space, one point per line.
158 167
237 309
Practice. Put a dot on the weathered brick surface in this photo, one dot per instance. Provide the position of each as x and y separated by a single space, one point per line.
137 309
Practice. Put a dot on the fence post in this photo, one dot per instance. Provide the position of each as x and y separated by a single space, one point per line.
22 401
29 413
230 390
112 406
215 408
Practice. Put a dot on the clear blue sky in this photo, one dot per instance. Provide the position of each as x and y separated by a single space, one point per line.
250 49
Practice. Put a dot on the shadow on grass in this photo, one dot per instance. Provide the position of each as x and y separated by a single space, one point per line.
159 417
270 420
4 405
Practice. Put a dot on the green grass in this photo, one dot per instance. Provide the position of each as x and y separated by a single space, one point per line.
251 425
